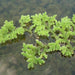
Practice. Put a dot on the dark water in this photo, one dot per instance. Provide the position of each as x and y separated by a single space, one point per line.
11 61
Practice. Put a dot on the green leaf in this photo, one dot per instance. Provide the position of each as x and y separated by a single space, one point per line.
30 65
73 18
24 19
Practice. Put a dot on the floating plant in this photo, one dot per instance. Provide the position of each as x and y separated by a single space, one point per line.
34 54
62 31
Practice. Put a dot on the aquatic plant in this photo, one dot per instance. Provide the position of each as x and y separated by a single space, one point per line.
24 19
8 31
73 18
63 33
64 30
42 24
34 54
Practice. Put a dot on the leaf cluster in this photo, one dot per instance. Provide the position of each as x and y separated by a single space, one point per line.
34 54
8 31
24 19
42 24
62 31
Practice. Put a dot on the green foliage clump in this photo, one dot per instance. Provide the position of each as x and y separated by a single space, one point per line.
20 30
34 54
8 31
73 18
42 24
63 33
24 19
53 46
5 30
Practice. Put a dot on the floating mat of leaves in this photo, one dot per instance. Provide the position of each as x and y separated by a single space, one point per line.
62 31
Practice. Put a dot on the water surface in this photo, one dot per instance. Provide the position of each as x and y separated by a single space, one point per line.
11 61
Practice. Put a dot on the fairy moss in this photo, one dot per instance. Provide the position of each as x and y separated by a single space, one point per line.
34 54
8 31
42 24
24 19
62 31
